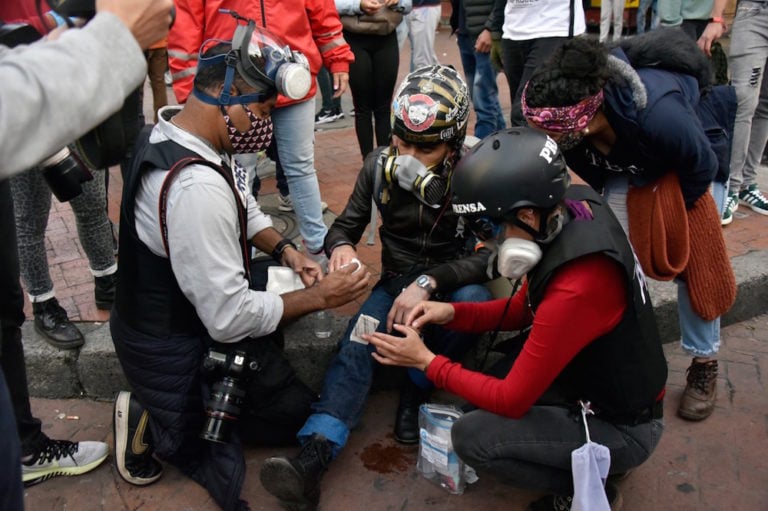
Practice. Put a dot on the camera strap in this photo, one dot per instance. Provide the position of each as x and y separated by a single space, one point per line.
228 177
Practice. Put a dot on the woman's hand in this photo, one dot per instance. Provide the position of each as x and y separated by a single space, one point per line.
424 313
408 351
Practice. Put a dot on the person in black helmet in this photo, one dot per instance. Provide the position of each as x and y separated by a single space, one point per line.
592 335
425 253
184 297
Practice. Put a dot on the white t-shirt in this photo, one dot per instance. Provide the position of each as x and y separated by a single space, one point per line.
534 19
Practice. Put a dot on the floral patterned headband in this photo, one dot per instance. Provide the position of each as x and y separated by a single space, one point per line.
563 119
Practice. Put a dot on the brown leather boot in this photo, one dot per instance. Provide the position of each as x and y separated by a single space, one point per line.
700 393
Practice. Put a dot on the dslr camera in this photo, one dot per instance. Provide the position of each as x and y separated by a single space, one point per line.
230 371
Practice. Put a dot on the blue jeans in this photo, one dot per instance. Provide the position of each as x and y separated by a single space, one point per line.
348 379
643 10
481 82
294 131
747 62
699 337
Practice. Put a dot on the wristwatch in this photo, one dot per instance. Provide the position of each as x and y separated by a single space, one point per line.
425 283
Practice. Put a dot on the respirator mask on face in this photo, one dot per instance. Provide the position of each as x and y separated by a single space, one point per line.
412 175
516 257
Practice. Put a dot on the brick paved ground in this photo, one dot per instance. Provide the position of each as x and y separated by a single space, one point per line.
719 464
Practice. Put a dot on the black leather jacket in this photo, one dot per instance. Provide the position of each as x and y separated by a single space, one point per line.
415 238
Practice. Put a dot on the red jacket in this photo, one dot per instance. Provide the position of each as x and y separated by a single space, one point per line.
309 26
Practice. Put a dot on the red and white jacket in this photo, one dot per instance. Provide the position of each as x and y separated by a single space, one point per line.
309 26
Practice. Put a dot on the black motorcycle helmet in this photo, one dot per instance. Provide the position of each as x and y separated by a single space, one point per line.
508 170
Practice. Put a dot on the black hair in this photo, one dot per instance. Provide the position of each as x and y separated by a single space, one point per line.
576 70
208 78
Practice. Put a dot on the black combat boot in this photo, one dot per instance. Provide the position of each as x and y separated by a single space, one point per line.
296 481
407 418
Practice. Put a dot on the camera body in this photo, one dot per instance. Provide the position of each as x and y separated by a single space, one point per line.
230 371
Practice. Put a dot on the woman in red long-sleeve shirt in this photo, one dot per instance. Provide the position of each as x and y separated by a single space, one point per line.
592 336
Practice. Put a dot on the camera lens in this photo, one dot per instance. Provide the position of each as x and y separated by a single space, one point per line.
65 173
222 410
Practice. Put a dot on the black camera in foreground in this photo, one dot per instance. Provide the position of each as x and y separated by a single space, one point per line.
222 410
65 174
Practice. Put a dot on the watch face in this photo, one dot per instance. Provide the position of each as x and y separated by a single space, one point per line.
423 282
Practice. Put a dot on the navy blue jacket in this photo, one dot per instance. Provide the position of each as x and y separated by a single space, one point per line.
664 121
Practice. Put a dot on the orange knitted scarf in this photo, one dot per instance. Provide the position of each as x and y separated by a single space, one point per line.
671 241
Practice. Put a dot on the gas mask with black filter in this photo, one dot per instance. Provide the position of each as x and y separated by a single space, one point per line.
427 184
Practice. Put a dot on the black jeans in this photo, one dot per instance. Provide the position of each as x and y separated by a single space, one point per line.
520 60
372 78
11 318
534 451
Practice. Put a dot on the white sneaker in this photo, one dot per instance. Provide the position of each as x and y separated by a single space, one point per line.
284 202
63 458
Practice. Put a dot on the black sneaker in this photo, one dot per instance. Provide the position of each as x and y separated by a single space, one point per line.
63 458
52 322
133 449
325 116
296 481
104 291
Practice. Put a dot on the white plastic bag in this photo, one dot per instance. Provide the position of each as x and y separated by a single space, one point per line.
590 464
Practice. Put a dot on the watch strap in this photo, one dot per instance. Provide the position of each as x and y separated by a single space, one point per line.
277 252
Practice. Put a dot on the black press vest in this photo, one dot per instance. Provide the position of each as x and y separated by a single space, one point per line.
148 297
623 372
